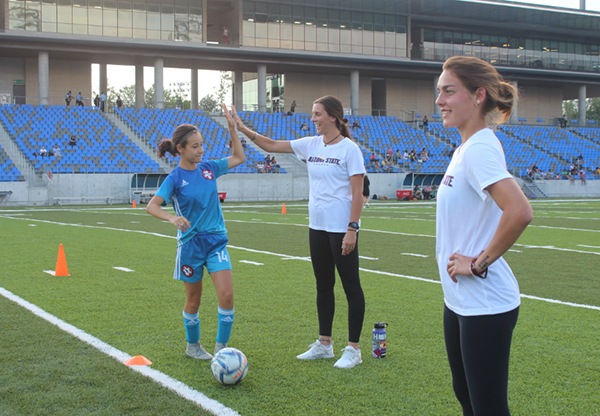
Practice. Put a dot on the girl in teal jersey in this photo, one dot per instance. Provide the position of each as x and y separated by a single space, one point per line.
201 233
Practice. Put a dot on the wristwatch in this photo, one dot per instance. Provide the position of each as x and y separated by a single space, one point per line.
354 225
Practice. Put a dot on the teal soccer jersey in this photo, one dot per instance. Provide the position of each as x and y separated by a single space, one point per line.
194 196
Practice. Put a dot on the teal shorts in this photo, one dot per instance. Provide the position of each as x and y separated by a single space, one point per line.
203 250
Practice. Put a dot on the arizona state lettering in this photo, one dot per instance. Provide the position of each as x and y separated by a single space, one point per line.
448 180
329 160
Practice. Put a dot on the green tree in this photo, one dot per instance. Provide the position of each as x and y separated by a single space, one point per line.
592 109
224 87
208 104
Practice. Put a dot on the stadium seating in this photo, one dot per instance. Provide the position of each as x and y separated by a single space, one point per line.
155 125
100 148
103 148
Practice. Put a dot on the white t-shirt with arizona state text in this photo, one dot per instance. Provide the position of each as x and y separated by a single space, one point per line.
329 170
466 221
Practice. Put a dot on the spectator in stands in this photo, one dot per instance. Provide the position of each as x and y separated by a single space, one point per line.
304 127
413 155
97 101
425 124
72 141
406 155
244 143
293 107
119 102
336 170
582 176
356 124
534 172
424 156
55 151
68 98
563 121
481 212
398 157
201 233
43 151
597 170
79 99
386 167
102 102
573 171
275 167
373 161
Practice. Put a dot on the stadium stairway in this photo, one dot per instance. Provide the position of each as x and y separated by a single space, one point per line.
142 144
26 171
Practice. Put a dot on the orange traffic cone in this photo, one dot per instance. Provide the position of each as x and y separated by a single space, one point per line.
61 269
138 360
134 204
283 209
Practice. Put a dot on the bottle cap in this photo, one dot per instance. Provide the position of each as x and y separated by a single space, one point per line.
381 324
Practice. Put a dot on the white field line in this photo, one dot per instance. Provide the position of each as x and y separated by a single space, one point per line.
288 257
164 380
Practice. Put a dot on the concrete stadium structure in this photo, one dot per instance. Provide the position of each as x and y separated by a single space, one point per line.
380 57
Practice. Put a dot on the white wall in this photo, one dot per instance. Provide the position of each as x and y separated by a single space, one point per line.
115 188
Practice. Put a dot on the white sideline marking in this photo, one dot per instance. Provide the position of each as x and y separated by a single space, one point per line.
368 258
172 384
252 262
415 255
123 269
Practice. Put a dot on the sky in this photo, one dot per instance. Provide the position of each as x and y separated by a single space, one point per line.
121 76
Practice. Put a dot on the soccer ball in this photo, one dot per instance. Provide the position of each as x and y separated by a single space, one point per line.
229 366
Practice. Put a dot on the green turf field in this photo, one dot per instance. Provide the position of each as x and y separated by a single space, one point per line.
45 371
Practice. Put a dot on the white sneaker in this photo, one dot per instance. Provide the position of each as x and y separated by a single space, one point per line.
350 358
317 350
219 346
196 351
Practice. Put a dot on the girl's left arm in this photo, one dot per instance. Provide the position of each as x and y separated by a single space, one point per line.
238 157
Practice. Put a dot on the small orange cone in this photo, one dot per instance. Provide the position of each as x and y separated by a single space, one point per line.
138 360
61 269
283 209
134 205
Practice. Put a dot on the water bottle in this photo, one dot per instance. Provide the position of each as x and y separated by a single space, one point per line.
380 340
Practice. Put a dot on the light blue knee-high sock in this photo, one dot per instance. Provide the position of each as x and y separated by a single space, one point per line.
191 322
225 323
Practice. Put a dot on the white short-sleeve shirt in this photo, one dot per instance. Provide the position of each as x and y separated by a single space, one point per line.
329 170
467 219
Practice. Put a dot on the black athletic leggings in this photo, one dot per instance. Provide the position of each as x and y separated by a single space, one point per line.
326 256
478 350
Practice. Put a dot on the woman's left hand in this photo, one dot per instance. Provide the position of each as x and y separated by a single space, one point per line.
349 243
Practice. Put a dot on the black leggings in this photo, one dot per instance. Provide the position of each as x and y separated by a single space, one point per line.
478 350
326 256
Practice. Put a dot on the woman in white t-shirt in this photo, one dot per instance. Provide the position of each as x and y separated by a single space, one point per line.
336 170
481 212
